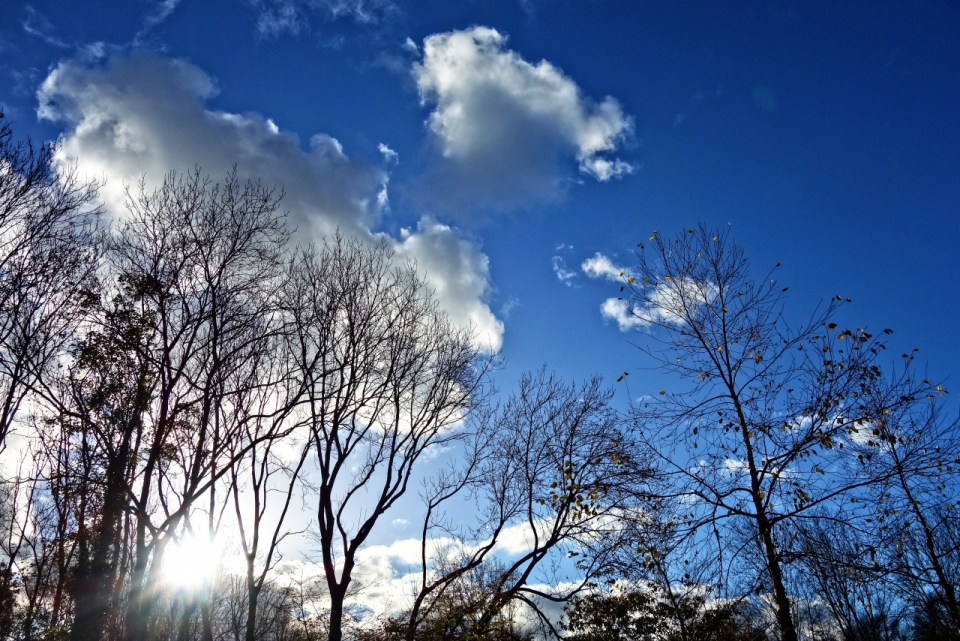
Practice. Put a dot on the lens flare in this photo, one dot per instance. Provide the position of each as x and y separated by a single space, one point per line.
191 562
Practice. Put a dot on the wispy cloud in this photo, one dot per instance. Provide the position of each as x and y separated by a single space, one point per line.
664 303
602 267
388 154
161 12
278 17
37 25
564 275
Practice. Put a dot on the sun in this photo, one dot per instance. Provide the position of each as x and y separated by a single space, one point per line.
191 562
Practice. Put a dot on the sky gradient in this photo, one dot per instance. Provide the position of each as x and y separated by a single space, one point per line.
509 145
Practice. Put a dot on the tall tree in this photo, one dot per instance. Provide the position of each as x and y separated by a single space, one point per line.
770 429
387 376
48 253
181 327
205 260
552 466
917 524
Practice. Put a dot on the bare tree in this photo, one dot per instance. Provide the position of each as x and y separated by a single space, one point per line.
769 431
551 466
916 525
48 254
254 480
204 259
186 313
387 376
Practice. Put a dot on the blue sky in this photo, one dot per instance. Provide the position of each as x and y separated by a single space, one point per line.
826 135
502 143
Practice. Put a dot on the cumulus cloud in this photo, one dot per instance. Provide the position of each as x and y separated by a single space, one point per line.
506 129
458 272
143 115
664 305
620 311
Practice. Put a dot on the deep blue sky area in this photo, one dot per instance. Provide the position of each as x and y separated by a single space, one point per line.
826 134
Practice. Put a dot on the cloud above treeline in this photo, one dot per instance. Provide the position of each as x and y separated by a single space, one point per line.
507 132
143 115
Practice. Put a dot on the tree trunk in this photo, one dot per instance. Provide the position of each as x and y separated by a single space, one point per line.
336 613
207 632
788 631
338 593
949 591
94 599
183 634
253 594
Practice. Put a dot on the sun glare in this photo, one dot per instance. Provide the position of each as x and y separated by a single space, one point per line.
190 562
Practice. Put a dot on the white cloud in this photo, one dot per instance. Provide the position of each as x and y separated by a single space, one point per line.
143 115
276 17
620 311
734 467
564 275
520 537
665 305
386 575
601 266
161 11
665 300
604 169
459 273
388 154
505 128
